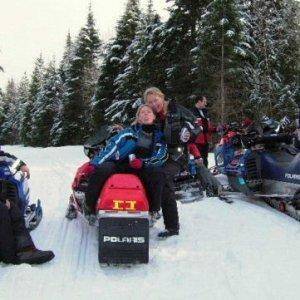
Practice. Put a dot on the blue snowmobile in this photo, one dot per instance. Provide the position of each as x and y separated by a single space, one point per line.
14 186
263 164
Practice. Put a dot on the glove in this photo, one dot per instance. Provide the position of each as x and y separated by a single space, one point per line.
136 163
184 135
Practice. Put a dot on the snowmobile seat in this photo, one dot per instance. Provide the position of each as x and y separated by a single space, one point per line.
123 221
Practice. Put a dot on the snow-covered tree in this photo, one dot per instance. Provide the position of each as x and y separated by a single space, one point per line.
178 37
272 74
22 98
9 127
71 124
221 51
1 107
28 106
137 75
112 64
46 106
66 59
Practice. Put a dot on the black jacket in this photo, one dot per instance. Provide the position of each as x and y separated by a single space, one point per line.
177 117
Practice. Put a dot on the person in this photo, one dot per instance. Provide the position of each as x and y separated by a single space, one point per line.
147 144
177 124
204 138
16 245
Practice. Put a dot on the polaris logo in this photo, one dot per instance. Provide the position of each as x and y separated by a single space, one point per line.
292 176
125 239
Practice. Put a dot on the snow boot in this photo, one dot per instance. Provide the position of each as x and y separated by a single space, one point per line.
167 233
34 257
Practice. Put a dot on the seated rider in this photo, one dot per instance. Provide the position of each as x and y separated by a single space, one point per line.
143 140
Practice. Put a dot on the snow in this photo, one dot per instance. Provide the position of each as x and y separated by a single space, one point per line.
224 21
240 251
230 33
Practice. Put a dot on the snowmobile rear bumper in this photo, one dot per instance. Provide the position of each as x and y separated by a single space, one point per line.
123 238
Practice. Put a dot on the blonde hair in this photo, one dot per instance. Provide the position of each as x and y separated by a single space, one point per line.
139 111
153 91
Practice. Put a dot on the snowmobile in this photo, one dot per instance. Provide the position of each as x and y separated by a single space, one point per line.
122 214
14 186
122 211
263 164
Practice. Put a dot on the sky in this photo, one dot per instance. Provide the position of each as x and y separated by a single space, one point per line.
31 27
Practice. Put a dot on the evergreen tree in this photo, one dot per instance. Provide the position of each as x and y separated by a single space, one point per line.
2 115
71 124
272 74
178 38
137 75
66 60
28 106
9 128
46 106
112 64
22 98
221 51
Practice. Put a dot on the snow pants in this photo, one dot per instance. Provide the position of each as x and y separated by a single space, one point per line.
168 203
14 236
152 177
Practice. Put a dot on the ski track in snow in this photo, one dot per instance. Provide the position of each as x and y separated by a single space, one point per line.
243 250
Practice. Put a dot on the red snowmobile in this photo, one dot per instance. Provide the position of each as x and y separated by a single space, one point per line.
122 214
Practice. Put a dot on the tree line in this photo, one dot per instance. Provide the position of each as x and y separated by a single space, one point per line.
243 55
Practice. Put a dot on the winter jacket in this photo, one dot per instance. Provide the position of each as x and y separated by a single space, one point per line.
171 124
128 141
7 159
177 118
205 136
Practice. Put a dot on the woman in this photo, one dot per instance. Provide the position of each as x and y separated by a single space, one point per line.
177 124
16 245
144 141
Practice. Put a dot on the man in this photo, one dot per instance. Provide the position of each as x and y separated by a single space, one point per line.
204 138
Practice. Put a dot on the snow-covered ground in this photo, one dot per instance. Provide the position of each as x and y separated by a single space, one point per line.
239 251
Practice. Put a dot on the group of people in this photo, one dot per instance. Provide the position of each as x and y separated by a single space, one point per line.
160 140
155 147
